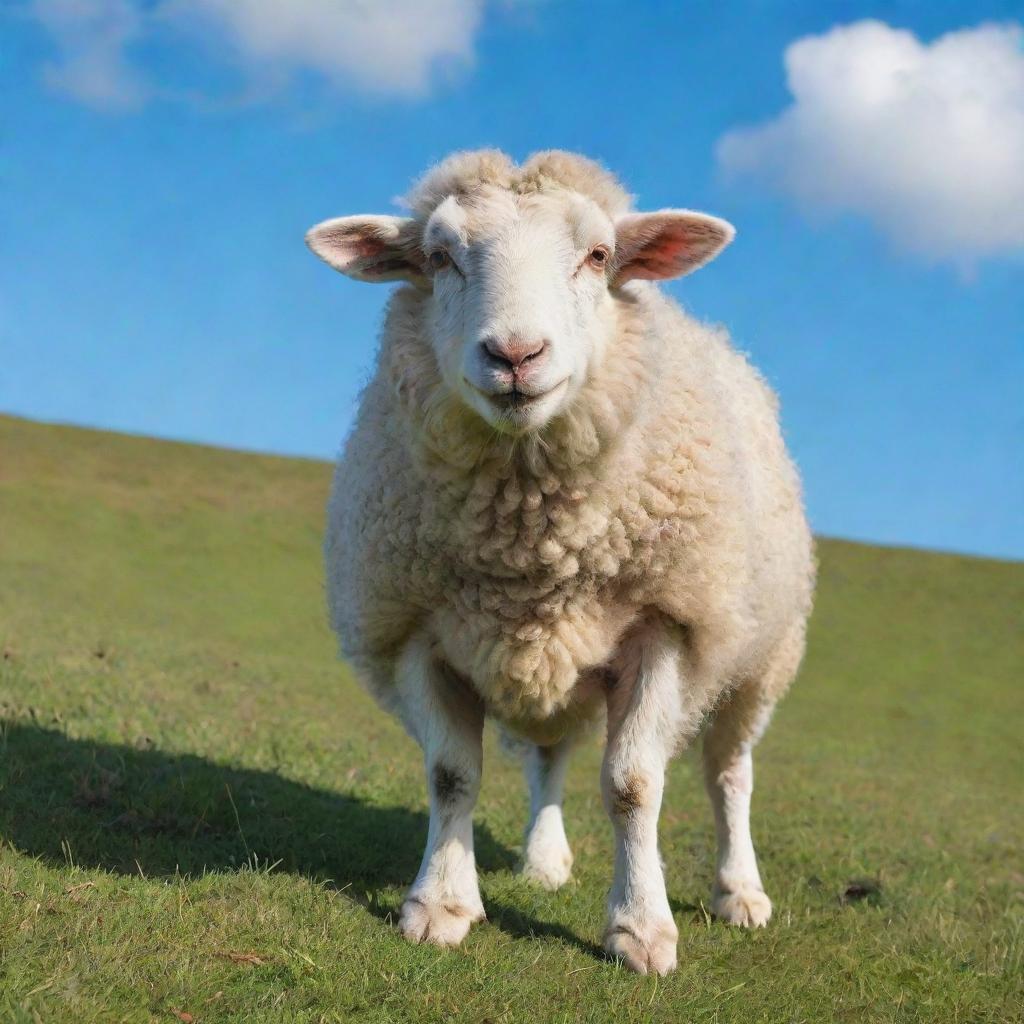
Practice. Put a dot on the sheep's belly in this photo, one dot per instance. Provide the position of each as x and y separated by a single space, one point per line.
527 670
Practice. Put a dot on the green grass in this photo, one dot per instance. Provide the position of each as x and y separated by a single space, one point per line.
187 775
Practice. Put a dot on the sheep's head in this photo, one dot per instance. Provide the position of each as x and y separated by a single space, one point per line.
521 265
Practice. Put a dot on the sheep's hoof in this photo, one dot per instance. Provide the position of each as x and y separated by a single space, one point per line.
443 924
647 950
549 866
748 908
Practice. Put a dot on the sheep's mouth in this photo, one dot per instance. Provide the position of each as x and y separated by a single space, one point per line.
517 400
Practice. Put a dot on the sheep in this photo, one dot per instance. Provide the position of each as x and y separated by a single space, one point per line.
563 499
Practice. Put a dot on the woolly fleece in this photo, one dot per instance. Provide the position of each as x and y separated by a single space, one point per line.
665 488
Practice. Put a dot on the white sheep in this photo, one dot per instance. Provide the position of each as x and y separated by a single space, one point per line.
563 498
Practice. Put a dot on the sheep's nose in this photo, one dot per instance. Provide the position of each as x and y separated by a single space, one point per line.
514 353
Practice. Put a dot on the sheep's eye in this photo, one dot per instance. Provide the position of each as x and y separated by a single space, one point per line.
438 259
599 256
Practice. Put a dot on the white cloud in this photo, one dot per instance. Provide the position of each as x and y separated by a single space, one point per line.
388 46
91 37
927 140
394 47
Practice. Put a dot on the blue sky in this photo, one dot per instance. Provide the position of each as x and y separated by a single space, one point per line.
160 163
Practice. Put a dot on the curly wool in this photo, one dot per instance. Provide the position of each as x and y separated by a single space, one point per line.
462 174
665 487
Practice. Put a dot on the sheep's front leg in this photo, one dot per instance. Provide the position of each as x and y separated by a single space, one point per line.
645 721
547 858
447 720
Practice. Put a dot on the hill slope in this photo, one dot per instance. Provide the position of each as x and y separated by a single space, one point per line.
201 814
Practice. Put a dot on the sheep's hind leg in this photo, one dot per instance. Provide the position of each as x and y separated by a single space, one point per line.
738 896
646 719
547 858
447 720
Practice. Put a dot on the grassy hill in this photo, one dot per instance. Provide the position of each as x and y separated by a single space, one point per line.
203 818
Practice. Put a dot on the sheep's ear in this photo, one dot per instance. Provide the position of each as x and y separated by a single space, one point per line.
370 248
666 244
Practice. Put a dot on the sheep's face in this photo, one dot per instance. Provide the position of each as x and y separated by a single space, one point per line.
519 300
521 287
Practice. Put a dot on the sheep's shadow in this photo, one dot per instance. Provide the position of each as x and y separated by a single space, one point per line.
129 811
